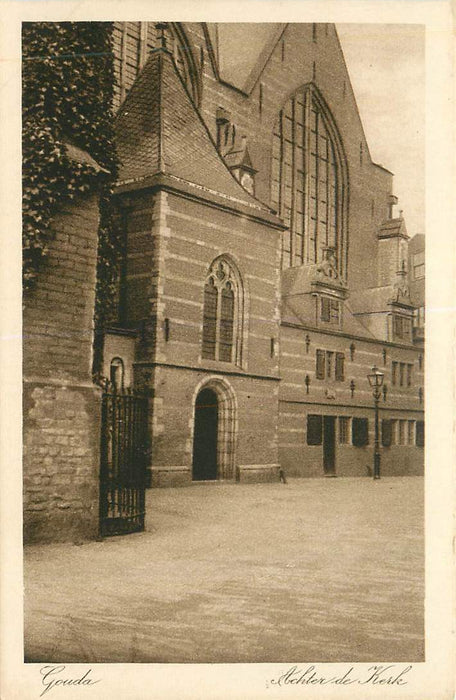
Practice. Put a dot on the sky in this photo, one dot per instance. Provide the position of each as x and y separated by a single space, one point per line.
386 67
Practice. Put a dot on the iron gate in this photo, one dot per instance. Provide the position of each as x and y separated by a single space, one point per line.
123 461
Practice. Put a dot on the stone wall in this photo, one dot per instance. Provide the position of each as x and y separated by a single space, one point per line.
61 411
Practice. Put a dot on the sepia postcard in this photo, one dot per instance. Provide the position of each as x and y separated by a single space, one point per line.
228 364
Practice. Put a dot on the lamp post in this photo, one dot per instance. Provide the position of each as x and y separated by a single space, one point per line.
376 381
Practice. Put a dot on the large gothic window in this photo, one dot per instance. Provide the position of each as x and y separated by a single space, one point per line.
307 181
223 313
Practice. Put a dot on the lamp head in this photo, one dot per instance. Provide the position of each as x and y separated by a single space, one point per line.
375 378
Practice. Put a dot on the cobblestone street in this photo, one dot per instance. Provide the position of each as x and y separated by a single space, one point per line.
322 570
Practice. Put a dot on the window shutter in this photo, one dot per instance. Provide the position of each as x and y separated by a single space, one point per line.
360 432
335 310
314 430
320 364
340 366
325 309
409 375
209 320
226 324
387 433
419 433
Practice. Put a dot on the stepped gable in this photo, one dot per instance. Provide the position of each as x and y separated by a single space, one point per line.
159 130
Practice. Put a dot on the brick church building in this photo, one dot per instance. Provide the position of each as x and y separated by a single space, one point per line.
265 273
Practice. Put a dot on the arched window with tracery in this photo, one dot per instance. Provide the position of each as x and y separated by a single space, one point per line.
308 180
223 313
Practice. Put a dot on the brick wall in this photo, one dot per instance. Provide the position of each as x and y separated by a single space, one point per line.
61 405
334 398
290 66
168 261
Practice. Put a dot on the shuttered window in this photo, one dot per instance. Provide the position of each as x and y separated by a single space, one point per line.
409 375
321 355
314 430
325 309
340 366
360 432
393 373
387 433
419 435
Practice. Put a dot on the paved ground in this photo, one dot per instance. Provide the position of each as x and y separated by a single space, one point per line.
316 570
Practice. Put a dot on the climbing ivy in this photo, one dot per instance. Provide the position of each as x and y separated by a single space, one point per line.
68 83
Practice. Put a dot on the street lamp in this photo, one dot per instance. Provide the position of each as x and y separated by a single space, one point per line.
376 381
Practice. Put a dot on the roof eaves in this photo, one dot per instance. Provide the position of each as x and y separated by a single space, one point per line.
178 185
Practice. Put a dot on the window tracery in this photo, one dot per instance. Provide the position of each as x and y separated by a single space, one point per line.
307 181
223 313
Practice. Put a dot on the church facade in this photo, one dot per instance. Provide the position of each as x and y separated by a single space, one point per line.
265 272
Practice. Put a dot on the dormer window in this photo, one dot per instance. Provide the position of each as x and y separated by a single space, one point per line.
330 310
402 328
240 164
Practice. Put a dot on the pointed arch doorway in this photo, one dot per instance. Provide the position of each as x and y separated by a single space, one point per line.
213 432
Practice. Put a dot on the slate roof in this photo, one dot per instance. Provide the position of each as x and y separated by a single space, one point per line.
300 310
393 227
159 130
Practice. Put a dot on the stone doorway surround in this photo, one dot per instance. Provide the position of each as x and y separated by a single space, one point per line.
227 423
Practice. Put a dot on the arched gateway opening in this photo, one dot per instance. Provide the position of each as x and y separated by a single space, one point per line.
213 432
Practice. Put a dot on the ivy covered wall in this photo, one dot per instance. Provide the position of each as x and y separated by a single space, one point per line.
68 144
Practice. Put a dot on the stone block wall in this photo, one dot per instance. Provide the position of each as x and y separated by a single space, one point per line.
61 457
61 409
